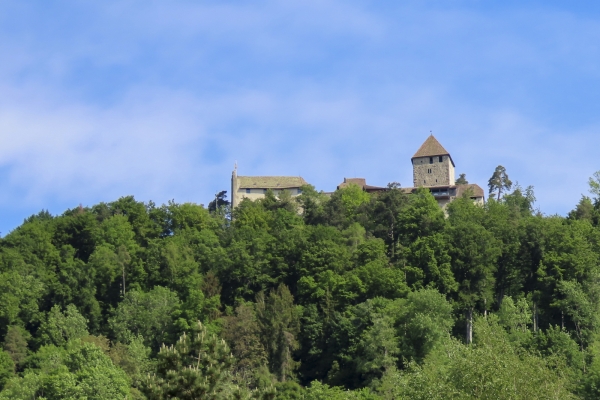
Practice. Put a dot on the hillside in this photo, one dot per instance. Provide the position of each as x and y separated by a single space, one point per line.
360 296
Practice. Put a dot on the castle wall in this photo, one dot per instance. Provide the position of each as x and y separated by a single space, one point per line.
433 174
256 194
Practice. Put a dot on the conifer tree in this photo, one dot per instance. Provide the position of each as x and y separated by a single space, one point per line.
279 323
462 180
198 366
499 182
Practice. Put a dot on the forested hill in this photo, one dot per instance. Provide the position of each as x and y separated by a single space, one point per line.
358 297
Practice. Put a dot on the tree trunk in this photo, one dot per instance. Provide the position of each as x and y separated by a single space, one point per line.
123 280
469 325
485 308
535 317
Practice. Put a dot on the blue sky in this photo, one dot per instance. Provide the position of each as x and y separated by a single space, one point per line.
158 99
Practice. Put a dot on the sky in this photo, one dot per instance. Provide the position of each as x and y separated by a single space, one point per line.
159 99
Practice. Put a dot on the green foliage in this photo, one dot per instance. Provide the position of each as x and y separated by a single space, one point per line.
351 198
424 320
462 180
312 204
219 203
499 182
197 366
15 343
421 218
132 357
80 371
319 391
585 210
7 367
474 252
343 207
378 348
594 183
489 369
515 316
150 315
349 296
59 327
19 292
278 321
243 334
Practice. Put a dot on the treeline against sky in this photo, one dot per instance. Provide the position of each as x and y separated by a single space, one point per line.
358 296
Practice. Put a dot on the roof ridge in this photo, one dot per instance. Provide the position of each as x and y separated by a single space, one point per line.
431 147
270 181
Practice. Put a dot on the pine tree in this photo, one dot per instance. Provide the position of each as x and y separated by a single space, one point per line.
279 323
499 182
462 180
198 366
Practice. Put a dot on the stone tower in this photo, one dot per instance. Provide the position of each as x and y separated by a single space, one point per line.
432 165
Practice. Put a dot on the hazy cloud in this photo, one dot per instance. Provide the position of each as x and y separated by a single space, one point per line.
159 99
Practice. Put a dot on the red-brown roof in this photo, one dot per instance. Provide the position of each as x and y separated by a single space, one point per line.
477 191
430 148
361 182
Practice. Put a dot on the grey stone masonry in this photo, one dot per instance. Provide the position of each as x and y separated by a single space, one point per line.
433 171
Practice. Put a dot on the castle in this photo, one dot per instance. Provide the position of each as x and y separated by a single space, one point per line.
433 168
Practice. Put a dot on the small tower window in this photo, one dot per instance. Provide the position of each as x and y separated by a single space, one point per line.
441 158
430 160
247 190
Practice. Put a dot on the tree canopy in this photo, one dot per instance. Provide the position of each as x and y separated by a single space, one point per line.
347 296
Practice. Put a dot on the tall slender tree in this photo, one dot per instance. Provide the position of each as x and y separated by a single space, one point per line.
499 182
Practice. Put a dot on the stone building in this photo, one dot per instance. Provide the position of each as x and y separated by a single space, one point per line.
255 187
433 168
432 165
362 183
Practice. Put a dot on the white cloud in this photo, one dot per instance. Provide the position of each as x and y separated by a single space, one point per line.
158 100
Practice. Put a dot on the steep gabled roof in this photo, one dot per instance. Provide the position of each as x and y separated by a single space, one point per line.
431 148
476 190
361 182
270 182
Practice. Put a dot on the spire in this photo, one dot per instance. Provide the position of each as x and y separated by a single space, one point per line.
430 148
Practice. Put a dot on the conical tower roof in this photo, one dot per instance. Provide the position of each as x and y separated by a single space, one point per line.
431 148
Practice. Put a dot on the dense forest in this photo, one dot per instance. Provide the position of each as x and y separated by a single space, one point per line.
348 296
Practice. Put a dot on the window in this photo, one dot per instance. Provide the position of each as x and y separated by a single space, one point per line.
247 190
265 191
299 191
430 160
424 181
441 158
